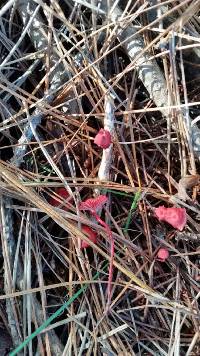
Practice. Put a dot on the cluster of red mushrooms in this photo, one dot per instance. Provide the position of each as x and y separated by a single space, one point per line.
174 216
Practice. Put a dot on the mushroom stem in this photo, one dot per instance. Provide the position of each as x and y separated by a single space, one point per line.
112 250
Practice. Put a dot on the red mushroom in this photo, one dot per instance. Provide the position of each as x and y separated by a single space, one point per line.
93 205
173 216
103 139
63 194
163 254
91 234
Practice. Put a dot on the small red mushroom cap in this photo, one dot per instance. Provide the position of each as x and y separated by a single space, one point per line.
163 254
103 139
173 216
91 234
93 204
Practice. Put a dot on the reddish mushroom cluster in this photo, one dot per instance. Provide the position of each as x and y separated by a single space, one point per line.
173 216
92 204
176 217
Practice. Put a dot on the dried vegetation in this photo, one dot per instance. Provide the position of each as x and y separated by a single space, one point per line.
68 69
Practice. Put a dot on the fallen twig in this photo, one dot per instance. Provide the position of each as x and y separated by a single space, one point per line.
149 72
57 74
7 239
106 160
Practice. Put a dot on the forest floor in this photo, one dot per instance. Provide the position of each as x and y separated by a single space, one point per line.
100 176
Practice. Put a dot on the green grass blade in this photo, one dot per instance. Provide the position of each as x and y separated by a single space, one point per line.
128 195
133 207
